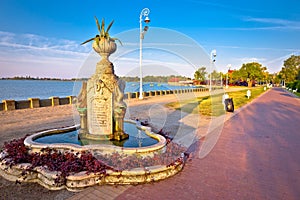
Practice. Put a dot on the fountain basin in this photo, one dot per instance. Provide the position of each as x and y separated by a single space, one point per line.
81 180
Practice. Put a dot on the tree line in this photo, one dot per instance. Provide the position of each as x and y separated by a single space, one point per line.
255 72
37 78
161 79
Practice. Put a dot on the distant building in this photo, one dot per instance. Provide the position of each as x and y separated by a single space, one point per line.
179 81
187 82
174 80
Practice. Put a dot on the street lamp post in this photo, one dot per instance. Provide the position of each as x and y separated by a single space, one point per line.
226 80
229 66
144 13
213 55
221 79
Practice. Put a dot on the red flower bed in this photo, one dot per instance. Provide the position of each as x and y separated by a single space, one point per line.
68 163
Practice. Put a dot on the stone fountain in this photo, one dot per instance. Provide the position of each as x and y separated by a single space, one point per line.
102 109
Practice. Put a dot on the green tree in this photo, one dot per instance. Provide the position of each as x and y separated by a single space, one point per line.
200 74
215 75
298 76
236 76
252 72
265 74
291 68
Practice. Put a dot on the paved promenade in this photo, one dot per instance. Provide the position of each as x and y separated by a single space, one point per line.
18 123
256 157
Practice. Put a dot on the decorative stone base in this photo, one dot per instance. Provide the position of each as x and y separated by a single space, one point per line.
119 136
81 180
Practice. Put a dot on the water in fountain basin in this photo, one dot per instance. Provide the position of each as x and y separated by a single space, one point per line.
137 138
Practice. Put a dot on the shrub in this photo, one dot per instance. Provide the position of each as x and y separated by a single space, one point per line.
294 85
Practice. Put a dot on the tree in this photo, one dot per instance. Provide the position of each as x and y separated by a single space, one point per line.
291 68
252 72
298 76
215 75
200 74
236 76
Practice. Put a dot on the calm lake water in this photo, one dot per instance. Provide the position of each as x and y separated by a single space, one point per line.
24 89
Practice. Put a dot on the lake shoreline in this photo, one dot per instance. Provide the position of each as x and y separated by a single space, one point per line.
43 89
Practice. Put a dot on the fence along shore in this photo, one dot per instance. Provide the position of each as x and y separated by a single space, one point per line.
9 104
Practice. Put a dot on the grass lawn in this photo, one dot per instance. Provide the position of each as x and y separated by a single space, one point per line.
212 105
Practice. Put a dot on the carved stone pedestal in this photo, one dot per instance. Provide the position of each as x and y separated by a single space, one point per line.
105 108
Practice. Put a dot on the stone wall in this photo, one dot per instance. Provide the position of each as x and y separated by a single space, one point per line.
135 95
1 106
7 105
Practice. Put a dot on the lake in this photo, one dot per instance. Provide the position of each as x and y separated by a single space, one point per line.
43 89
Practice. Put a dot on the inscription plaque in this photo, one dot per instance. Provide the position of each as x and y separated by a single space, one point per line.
100 115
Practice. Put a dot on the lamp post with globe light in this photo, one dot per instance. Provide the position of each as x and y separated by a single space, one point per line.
144 14
229 66
213 55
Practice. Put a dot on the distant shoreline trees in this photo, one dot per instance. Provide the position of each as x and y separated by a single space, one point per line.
161 79
43 79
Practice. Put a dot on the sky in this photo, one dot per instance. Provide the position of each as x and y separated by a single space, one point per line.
42 38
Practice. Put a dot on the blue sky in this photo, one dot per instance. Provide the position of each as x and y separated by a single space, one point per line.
42 38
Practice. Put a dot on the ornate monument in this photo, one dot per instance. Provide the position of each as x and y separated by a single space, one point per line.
100 102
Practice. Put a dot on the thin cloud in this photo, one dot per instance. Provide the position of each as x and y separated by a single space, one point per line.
267 24
6 36
282 58
157 44
277 21
130 65
126 60
265 28
226 6
34 52
46 49
37 42
253 59
240 61
30 44
273 24
251 48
